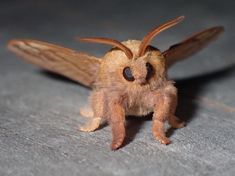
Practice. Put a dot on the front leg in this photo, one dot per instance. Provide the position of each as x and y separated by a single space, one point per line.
117 123
164 107
95 113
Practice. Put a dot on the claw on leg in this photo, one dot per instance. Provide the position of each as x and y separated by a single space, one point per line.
159 133
175 122
92 125
116 143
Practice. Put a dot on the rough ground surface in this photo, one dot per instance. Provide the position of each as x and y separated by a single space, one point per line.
39 112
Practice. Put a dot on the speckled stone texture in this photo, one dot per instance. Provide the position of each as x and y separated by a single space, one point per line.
39 111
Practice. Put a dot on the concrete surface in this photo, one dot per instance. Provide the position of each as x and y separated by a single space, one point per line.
39 111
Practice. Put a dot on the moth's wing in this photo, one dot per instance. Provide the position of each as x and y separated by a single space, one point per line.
191 45
77 66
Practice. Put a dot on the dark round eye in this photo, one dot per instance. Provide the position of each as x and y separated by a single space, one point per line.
127 74
150 70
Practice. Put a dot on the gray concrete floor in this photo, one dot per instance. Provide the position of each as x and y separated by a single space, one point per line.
39 111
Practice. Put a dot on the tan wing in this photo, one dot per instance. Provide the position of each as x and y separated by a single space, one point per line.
191 45
74 65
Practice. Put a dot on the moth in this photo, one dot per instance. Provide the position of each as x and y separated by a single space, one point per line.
130 79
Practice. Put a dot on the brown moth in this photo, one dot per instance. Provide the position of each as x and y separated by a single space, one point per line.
130 79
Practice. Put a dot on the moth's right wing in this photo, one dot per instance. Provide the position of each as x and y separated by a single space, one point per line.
77 66
191 45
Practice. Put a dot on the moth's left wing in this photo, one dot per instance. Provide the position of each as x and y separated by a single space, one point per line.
191 45
77 66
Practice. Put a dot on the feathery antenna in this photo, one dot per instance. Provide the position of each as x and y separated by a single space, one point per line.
108 41
147 39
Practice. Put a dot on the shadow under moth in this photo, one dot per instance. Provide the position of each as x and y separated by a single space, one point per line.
130 79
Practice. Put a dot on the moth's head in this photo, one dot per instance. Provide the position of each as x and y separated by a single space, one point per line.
138 70
133 62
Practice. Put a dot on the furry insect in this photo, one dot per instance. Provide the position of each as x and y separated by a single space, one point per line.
131 78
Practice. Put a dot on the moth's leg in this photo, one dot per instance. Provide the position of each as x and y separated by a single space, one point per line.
94 121
158 128
174 121
117 123
164 106
96 113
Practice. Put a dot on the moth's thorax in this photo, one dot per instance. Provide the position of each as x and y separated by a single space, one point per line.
113 63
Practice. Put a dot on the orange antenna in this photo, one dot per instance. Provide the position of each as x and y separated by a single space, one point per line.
147 39
108 41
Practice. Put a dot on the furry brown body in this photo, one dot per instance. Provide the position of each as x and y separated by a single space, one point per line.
114 97
131 79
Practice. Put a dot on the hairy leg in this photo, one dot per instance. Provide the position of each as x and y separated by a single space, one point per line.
159 117
174 121
117 123
164 105
96 113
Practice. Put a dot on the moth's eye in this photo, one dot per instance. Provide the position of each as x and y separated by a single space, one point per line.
150 70
127 74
